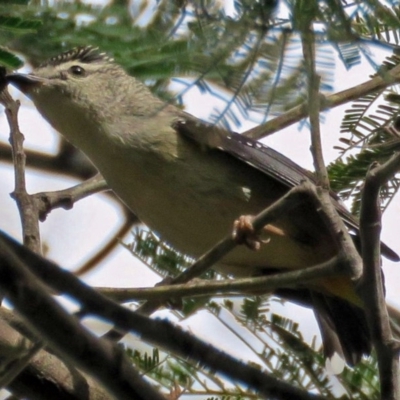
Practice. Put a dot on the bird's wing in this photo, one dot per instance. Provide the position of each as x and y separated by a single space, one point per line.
251 151
262 158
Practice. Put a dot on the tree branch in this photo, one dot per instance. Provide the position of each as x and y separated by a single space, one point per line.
299 112
45 377
96 355
291 279
99 358
26 204
371 287
48 201
332 219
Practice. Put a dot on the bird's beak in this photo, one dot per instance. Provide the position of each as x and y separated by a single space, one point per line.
25 82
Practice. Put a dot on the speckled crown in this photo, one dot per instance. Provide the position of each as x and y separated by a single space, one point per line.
83 54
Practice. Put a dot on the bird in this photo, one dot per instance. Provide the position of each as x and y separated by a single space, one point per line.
189 180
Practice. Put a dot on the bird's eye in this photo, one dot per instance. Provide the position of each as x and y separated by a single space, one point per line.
77 70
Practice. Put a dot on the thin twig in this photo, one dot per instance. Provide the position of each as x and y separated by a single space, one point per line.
371 288
66 198
226 287
129 221
60 163
26 204
27 207
337 99
221 249
308 45
332 219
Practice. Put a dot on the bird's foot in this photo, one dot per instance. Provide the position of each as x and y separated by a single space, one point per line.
244 233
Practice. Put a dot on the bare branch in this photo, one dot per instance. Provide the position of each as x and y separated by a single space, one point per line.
46 377
64 162
107 248
98 357
371 287
332 219
260 284
26 203
308 45
299 112
66 198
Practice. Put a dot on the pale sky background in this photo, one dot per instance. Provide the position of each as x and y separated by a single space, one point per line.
72 236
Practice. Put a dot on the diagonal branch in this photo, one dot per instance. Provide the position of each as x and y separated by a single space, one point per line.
45 377
299 112
332 219
262 284
99 357
221 249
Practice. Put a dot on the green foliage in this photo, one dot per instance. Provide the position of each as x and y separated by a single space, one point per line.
367 126
160 256
378 21
245 55
160 367
18 26
167 262
251 63
362 382
9 60
249 55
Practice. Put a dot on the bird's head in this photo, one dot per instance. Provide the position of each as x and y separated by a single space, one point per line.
81 75
82 92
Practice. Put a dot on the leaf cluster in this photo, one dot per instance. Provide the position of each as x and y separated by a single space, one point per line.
17 26
250 54
369 134
248 60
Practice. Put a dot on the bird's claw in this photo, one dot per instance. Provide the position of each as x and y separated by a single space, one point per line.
244 233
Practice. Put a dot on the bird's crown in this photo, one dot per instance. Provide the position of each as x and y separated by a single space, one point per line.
83 54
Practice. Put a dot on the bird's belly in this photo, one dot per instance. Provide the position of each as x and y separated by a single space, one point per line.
193 216
189 220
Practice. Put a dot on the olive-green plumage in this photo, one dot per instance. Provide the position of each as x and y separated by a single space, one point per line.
183 188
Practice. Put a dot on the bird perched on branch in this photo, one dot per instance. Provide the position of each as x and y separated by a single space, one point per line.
188 181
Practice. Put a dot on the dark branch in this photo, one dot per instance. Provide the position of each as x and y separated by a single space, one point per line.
371 288
96 356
